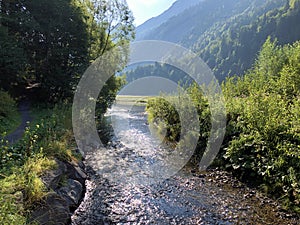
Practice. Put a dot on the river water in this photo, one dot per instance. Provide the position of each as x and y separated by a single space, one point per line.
128 184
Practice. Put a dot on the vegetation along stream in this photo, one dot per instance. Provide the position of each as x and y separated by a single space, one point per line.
188 197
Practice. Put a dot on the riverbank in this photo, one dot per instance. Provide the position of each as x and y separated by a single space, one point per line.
42 174
187 197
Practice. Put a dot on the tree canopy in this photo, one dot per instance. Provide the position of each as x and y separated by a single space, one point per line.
47 45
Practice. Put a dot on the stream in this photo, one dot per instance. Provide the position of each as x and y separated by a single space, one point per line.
130 183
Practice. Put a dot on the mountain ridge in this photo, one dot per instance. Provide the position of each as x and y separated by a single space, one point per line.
154 22
229 34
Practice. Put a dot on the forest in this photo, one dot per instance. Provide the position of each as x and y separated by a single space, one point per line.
228 35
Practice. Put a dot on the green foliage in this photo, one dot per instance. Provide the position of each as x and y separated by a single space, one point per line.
48 56
164 116
22 164
12 63
45 48
50 135
163 113
262 141
10 212
228 34
231 47
112 21
8 104
108 94
20 190
294 3
9 117
158 70
263 130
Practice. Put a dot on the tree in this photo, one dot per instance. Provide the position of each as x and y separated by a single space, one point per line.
12 63
58 40
57 48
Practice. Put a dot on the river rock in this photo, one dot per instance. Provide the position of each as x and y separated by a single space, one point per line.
54 210
66 184
72 193
52 178
75 171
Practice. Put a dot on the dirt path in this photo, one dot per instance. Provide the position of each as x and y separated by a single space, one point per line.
24 109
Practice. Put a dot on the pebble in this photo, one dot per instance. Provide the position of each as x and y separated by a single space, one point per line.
176 204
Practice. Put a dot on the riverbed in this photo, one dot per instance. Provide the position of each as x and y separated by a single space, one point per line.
128 184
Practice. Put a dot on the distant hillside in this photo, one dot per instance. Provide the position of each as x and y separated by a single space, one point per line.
228 34
231 48
192 22
152 24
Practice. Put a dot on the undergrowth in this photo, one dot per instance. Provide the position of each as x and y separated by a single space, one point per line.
49 137
9 117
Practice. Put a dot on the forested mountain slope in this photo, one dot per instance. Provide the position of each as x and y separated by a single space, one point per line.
153 23
228 34
231 48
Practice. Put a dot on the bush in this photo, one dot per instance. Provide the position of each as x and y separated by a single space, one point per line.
262 141
9 118
168 113
22 165
20 190
263 131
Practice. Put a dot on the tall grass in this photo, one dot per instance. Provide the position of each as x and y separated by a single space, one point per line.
49 137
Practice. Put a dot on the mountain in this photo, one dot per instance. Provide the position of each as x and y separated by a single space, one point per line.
186 25
227 34
178 7
231 48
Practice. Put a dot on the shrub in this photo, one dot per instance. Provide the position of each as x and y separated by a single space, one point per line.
9 118
22 164
262 141
263 132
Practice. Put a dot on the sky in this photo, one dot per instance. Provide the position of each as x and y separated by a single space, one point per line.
146 9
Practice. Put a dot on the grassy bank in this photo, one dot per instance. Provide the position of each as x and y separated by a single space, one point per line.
48 137
10 118
132 99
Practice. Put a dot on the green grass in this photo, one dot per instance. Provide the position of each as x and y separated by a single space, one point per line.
10 118
48 137
20 190
133 100
11 123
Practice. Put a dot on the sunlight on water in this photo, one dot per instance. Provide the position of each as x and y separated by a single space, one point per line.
138 156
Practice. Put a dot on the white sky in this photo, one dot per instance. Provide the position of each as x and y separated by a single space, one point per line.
145 9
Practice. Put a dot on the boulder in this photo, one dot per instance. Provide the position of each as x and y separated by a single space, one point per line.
72 193
76 172
66 184
52 211
52 178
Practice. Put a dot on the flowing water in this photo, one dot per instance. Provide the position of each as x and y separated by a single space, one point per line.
134 181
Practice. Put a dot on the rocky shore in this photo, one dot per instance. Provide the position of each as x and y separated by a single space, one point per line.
214 197
66 185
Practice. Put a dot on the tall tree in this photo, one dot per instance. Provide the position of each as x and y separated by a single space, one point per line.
110 25
57 46
59 39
